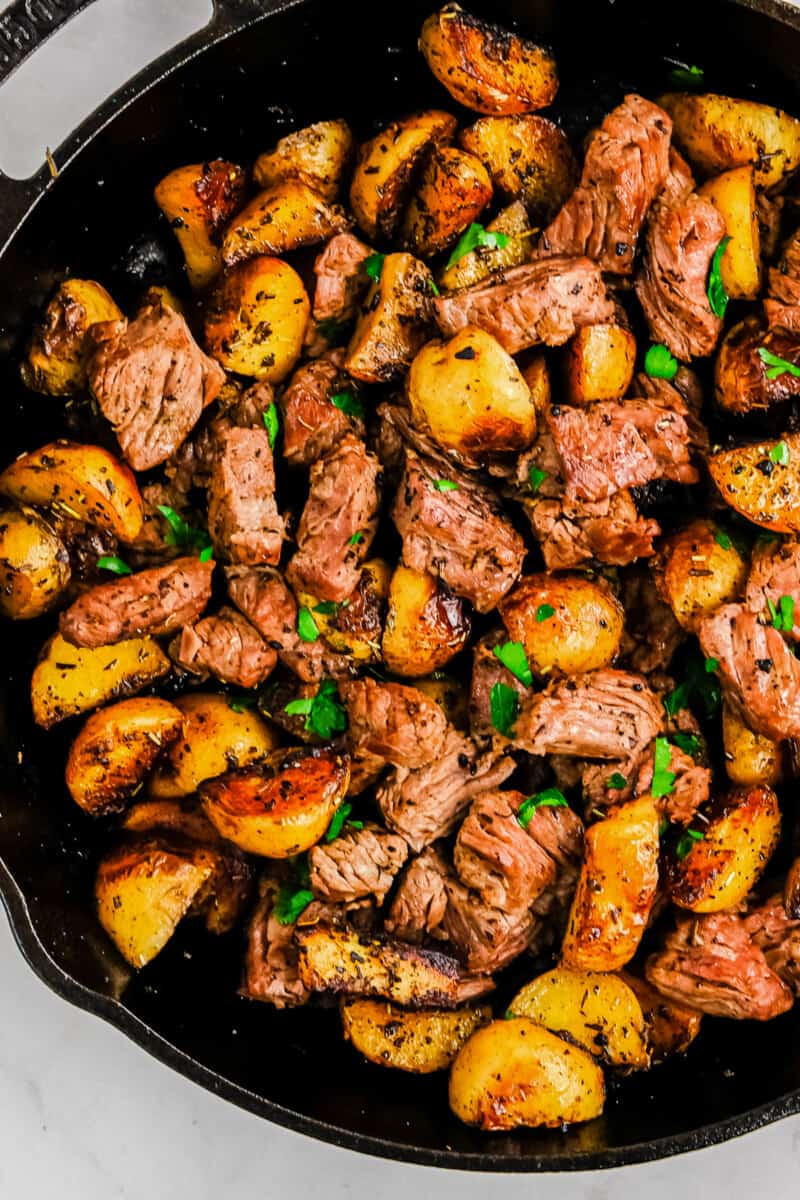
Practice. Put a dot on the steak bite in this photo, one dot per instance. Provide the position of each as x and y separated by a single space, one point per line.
341 278
225 646
357 864
152 382
243 519
394 722
610 530
774 573
157 601
487 670
485 938
782 305
778 936
495 856
312 426
420 901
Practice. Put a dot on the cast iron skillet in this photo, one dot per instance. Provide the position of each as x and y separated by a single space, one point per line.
229 91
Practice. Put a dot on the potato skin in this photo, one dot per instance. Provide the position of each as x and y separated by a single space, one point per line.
750 758
484 67
733 193
515 1073
452 192
598 363
356 630
583 632
317 155
34 565
425 627
616 889
392 324
198 201
741 384
58 352
256 319
741 832
671 1029
695 574
528 158
766 492
419 1042
483 261
284 217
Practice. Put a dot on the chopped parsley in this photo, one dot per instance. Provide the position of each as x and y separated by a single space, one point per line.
355 538
689 743
722 539
242 702
544 612
339 820
717 296
374 266
445 485
663 826
504 705
660 363
686 841
331 329
512 656
779 454
110 562
206 553
324 715
782 617
698 687
329 608
474 237
306 625
181 534
433 287
549 798
536 477
663 779
271 424
616 781
294 896
711 665
347 403
687 77
776 365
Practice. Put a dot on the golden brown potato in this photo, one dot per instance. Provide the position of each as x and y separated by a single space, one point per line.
470 396
384 173
285 217
598 1011
741 379
671 1029
515 1073
57 354
393 320
180 816
198 201
354 627
84 482
734 194
616 889
318 156
452 192
450 695
537 377
750 758
116 749
528 158
762 482
740 833
481 262
485 67
215 739
425 626
34 565
720 132
281 807
598 363
698 569
419 1042
256 320
566 623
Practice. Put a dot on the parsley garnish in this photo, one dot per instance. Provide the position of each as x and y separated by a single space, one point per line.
717 296
686 841
616 781
329 608
242 702
779 454
660 363
348 403
504 705
295 895
699 686
663 779
722 539
324 715
782 617
688 742
549 798
374 266
433 287
306 625
663 826
331 329
339 820
355 538
476 236
272 424
206 553
691 77
777 365
544 612
711 665
181 533
536 477
445 485
512 656
110 562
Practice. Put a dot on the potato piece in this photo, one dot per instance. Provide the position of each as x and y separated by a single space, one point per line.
198 201
528 159
452 192
616 888
69 680
393 320
514 1073
450 695
750 758
385 170
470 396
741 379
425 626
179 816
537 377
566 623
285 217
671 1029
281 807
734 194
720 132
419 1042
57 354
256 320
318 156
84 482
215 739
354 627
695 573
116 749
598 363
34 565
762 482
598 1011
481 262
740 834
485 67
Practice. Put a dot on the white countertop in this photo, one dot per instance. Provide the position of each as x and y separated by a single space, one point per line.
87 1115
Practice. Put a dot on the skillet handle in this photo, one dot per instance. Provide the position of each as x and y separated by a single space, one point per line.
26 24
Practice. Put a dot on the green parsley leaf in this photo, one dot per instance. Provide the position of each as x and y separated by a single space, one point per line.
512 656
291 902
242 702
324 715
779 454
659 363
782 617
722 539
474 237
777 365
338 821
508 1015
207 553
374 266
549 798
536 477
544 612
357 537
686 841
332 329
711 665
687 77
306 625
689 743
717 296
663 779
445 485
663 826
504 705
699 687
348 403
182 534
329 608
616 781
299 708
110 562
434 288
272 424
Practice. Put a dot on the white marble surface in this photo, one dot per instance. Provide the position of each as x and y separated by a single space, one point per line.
85 1114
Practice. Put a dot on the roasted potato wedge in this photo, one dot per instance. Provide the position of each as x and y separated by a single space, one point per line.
616 889
117 748
742 382
598 363
720 132
425 626
528 159
355 627
697 570
484 67
256 319
84 482
317 155
420 1042
671 1029
515 1073
750 758
598 1011
57 354
34 565
180 816
481 262
537 377
566 623
69 680
740 833
450 695
384 174
393 320
734 194
452 192
470 396
761 481
283 218
198 201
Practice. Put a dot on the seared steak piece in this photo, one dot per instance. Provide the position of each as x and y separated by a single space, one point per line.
343 501
683 394
775 572
426 804
495 856
457 534
227 647
155 602
782 306
691 787
487 670
341 278
420 901
270 969
711 964
778 935
652 635
758 670
357 864
603 714
485 938
243 518
192 464
610 530
559 834
626 163
152 382
394 722
312 426
546 300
